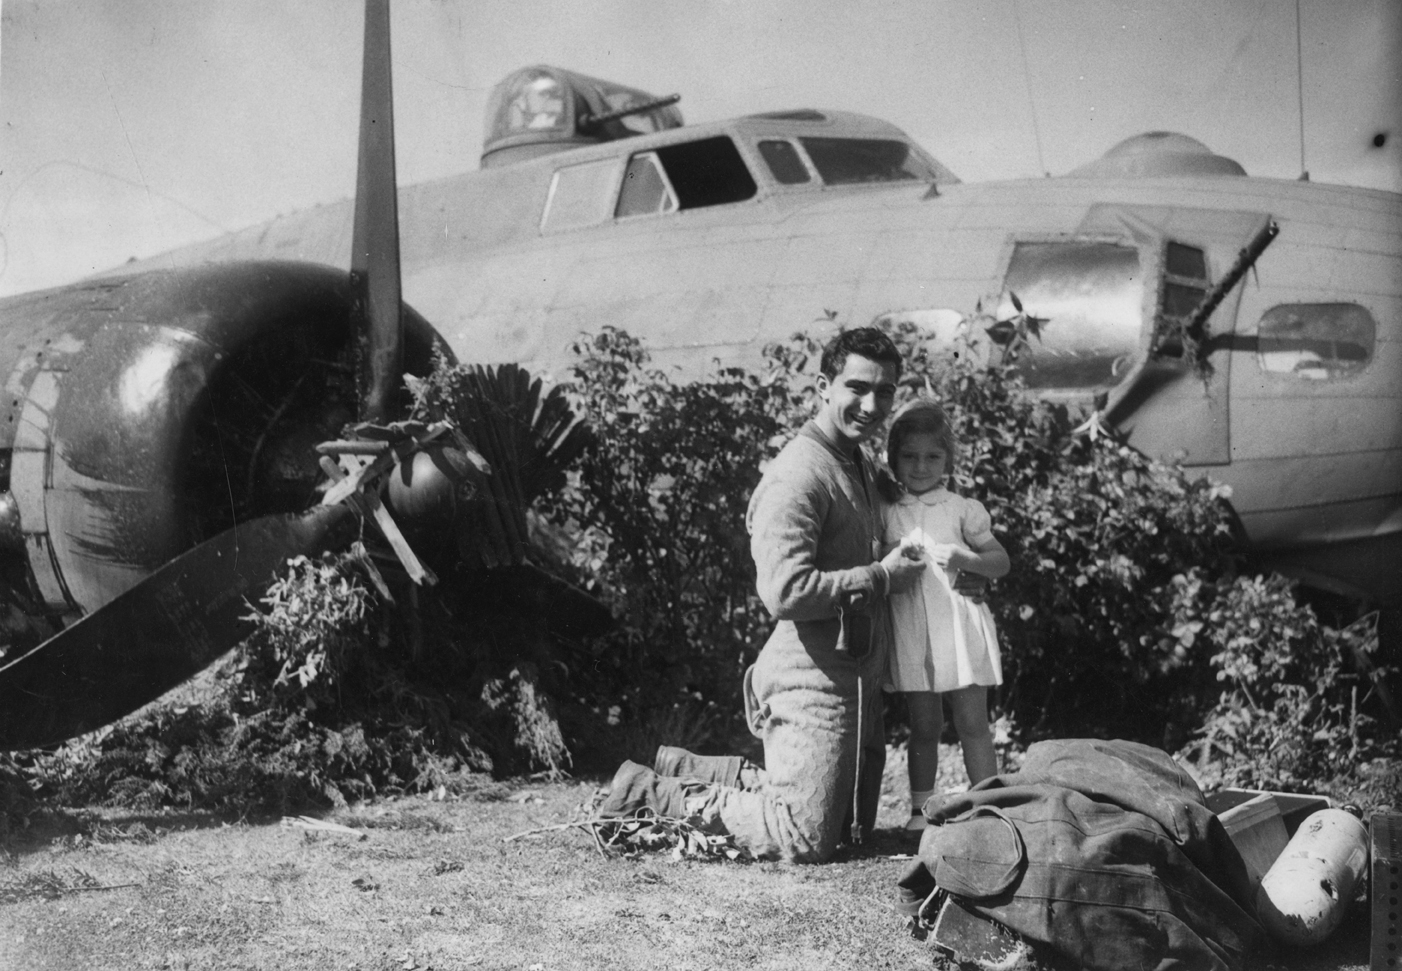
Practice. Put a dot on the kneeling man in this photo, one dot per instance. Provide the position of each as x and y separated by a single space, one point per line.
814 695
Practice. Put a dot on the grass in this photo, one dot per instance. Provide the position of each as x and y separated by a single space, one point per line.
434 884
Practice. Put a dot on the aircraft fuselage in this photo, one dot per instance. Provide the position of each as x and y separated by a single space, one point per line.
1300 416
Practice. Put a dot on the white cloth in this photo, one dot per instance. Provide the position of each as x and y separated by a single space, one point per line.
943 640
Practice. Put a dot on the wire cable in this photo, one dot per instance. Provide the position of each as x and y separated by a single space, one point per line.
1027 80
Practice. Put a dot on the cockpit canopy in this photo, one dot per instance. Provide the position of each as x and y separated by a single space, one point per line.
539 110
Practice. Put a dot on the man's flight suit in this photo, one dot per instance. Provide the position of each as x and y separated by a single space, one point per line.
815 530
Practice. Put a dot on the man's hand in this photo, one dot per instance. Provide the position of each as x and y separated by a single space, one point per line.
903 565
971 585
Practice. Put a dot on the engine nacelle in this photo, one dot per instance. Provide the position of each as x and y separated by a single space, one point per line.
146 413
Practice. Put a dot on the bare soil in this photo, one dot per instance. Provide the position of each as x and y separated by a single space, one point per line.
435 884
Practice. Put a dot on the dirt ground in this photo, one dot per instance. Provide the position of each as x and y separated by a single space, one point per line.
435 884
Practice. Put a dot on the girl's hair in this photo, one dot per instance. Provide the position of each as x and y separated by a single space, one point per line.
917 416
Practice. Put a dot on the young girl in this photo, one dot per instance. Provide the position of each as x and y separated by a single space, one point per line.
946 648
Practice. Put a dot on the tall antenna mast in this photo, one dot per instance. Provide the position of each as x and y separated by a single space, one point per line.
1027 80
1300 91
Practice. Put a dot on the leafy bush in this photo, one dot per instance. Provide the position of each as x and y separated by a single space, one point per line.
341 692
1096 532
656 505
1294 710
1123 614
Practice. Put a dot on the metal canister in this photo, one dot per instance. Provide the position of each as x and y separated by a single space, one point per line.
1304 894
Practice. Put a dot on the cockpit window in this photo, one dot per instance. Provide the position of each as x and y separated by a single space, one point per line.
847 161
709 172
1088 297
645 189
783 161
1316 340
580 195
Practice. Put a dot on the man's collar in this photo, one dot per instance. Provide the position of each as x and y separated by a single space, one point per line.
813 430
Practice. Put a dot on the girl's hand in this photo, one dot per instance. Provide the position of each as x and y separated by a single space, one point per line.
902 570
949 556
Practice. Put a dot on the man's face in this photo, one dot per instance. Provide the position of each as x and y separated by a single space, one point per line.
857 400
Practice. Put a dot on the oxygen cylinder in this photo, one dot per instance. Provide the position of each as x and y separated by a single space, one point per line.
1303 895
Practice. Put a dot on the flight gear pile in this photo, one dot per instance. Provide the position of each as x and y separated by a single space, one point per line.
1100 853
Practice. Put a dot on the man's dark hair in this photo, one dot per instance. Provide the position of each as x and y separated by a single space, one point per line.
868 342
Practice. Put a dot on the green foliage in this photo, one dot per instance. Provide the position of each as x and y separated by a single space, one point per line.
537 731
657 505
313 709
315 631
1294 712
1123 614
1096 531
355 683
1115 619
528 435
647 832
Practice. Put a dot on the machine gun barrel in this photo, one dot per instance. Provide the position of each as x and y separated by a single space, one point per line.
1246 259
593 121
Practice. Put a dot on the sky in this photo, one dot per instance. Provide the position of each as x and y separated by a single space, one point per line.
134 126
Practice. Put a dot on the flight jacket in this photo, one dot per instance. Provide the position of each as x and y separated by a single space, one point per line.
815 529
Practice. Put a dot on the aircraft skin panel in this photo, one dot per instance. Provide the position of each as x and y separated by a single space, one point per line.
718 321
812 308
999 215
1350 494
492 310
642 271
918 299
1322 523
819 259
318 235
1362 273
1283 428
473 212
935 256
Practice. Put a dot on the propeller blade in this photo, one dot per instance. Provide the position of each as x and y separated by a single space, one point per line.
375 280
157 634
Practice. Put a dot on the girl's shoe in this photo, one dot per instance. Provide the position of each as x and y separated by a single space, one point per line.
916 823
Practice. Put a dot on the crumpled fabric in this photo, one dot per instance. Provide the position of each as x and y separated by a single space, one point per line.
1103 851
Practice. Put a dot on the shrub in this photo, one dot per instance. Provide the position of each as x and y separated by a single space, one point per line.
1293 713
656 504
1095 531
342 693
1123 613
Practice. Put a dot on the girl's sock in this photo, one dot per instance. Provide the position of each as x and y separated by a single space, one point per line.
918 800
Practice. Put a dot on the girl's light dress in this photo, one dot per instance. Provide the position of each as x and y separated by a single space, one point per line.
943 640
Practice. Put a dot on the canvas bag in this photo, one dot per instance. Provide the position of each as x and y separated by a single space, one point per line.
1103 852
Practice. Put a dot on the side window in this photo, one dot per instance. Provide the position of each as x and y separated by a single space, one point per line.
707 173
1185 283
645 189
784 162
1316 340
848 161
580 195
